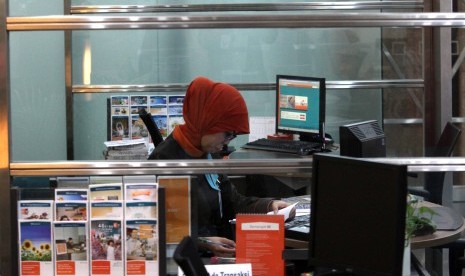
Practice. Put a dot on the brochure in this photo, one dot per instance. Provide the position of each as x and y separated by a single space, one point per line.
71 194
106 247
71 211
139 210
71 248
35 247
125 122
35 209
141 192
260 241
105 192
106 209
142 247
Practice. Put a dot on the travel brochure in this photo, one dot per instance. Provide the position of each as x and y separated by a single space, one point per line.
85 231
71 248
142 247
126 124
106 247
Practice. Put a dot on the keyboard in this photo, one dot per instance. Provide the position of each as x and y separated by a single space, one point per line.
287 146
298 228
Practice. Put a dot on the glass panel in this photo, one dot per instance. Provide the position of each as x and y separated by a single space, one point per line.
400 106
35 8
141 57
38 107
228 55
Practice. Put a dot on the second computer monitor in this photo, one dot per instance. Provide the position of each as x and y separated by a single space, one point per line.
300 106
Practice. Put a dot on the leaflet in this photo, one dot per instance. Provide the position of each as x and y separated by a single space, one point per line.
142 247
106 247
106 209
141 192
71 211
35 210
71 248
260 241
35 247
105 192
71 194
141 210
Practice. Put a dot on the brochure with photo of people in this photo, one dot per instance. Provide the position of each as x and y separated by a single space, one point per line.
106 247
125 122
71 248
71 211
142 247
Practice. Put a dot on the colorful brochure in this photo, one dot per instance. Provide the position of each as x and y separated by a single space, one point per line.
35 210
71 211
142 247
35 247
106 247
71 248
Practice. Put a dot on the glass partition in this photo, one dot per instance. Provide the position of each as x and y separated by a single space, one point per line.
247 57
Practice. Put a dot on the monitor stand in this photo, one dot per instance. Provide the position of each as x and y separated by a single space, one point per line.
311 137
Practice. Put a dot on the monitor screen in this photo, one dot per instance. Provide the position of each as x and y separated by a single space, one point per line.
300 105
358 215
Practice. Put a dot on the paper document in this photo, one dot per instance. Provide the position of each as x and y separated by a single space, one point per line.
260 127
285 211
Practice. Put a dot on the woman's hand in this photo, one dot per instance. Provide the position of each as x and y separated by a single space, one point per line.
279 204
221 247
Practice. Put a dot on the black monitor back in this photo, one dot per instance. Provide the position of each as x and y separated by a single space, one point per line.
362 139
358 215
186 255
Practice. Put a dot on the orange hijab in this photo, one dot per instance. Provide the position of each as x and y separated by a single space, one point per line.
210 108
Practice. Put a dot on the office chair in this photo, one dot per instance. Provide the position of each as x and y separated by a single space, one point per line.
432 189
152 128
187 257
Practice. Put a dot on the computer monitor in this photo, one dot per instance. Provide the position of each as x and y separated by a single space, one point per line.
362 139
357 226
300 106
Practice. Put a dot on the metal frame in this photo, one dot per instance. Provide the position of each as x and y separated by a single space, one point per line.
285 19
293 6
317 20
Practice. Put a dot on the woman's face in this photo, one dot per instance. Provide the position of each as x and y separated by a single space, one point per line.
212 143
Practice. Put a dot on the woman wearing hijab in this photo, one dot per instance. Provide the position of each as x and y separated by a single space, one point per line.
214 113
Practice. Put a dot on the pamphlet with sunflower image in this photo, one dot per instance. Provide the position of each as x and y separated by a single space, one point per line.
35 247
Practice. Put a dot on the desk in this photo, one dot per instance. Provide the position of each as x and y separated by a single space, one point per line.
440 237
433 261
263 154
